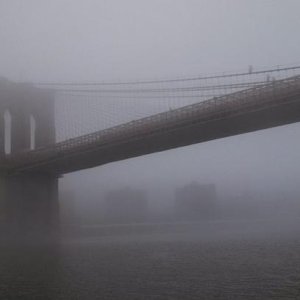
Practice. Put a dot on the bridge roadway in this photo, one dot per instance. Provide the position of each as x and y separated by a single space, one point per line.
273 104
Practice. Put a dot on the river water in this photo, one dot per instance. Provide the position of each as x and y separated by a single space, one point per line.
213 260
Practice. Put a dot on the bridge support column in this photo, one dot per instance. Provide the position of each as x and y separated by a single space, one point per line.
31 207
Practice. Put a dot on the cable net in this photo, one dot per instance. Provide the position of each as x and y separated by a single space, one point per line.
84 108
93 118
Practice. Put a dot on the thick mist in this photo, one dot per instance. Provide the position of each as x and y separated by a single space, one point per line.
214 220
136 40
128 40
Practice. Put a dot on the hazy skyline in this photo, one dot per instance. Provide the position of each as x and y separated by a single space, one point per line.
62 40
214 220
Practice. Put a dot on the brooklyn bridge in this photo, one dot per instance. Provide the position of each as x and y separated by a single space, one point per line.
50 128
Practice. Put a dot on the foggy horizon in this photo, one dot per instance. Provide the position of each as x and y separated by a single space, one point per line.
102 43
112 186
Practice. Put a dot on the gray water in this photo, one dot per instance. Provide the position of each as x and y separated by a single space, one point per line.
216 260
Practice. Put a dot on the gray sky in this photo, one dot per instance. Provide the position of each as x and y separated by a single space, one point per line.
65 40
120 39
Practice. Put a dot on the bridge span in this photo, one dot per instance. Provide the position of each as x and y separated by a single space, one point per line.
29 175
273 104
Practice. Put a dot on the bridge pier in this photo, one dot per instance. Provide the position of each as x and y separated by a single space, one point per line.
31 210
28 201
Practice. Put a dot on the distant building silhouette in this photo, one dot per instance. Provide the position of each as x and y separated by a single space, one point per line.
126 205
196 201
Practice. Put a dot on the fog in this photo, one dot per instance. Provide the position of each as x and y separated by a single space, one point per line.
120 40
250 178
63 41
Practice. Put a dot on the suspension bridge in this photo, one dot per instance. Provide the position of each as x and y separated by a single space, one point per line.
51 129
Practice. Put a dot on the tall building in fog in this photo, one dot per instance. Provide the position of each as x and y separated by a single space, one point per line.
126 205
196 201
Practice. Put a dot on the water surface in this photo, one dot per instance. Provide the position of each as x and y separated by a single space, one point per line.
216 260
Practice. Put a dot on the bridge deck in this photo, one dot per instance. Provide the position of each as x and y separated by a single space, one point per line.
269 105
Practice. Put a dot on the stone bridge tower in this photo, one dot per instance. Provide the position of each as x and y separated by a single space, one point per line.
29 201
